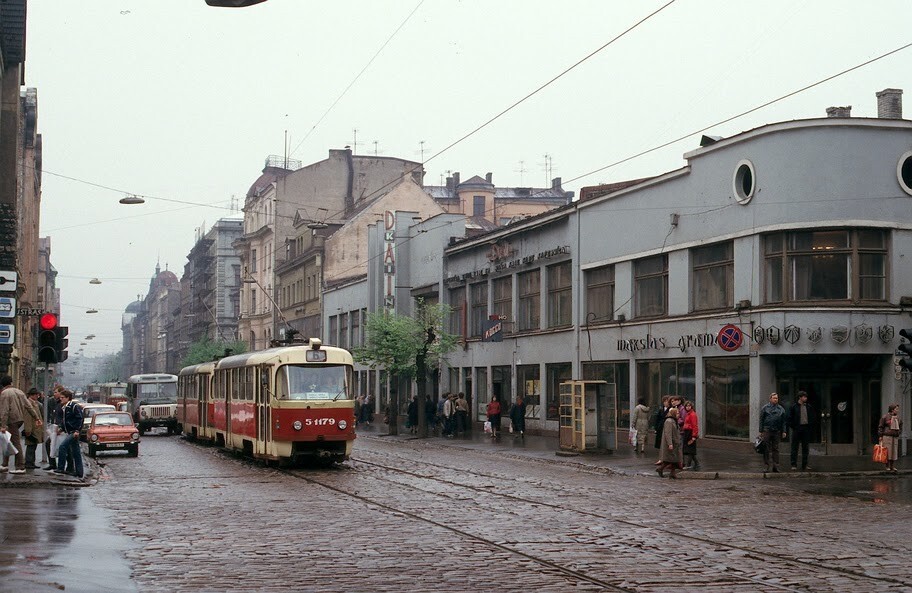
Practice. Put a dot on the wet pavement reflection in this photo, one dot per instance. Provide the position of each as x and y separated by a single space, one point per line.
876 489
57 539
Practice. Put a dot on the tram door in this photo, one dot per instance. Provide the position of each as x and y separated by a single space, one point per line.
262 410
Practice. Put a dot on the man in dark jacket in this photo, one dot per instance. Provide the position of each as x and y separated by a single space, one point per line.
71 422
800 420
772 430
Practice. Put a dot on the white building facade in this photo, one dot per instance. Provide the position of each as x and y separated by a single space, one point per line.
774 261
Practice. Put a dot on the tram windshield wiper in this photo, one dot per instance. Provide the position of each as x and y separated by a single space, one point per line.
338 394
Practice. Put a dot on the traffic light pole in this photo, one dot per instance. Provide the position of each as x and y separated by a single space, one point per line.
44 418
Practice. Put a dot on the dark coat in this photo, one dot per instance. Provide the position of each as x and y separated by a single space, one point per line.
794 416
518 416
671 435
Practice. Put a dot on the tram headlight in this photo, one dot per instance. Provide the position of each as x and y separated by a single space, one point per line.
297 425
342 424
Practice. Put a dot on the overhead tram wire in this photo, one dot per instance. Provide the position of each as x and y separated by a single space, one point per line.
522 100
703 129
355 79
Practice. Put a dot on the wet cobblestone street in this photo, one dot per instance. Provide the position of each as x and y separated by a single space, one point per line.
415 516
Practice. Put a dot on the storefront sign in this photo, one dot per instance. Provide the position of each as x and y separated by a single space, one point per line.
498 254
389 260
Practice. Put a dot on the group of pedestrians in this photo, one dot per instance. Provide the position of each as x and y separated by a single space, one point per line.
517 415
677 429
364 409
21 423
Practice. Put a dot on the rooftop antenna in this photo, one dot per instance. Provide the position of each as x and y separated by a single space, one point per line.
376 148
355 141
421 150
522 169
548 167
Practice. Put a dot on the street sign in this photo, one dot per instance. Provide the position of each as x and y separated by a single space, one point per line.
8 281
7 307
7 334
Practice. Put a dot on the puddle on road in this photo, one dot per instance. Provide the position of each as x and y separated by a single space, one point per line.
57 539
879 490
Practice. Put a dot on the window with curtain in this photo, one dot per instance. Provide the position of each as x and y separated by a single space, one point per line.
825 265
600 294
479 292
712 277
560 295
503 300
529 285
650 290
458 303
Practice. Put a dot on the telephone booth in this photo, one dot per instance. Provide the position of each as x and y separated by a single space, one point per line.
588 416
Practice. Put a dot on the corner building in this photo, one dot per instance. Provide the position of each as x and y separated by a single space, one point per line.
774 260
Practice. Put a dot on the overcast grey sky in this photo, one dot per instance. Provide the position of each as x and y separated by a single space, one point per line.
177 100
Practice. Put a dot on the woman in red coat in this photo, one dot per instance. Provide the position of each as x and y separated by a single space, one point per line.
689 437
493 411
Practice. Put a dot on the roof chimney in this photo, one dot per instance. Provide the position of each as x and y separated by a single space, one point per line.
889 104
449 184
489 177
456 179
556 183
839 111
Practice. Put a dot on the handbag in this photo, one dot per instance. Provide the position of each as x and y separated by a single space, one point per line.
487 426
632 437
880 454
760 445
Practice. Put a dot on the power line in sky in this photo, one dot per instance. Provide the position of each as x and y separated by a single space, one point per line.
355 79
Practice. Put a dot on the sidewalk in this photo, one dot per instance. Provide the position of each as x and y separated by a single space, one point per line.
38 478
718 460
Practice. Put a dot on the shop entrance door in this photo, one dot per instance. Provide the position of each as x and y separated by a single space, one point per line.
835 401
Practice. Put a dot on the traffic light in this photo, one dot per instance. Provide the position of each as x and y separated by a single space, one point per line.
61 342
47 338
905 349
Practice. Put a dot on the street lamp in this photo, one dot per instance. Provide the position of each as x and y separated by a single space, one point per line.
94 281
132 199
92 311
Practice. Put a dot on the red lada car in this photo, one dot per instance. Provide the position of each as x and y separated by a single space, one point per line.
113 431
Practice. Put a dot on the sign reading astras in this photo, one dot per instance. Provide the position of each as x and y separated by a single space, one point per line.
730 338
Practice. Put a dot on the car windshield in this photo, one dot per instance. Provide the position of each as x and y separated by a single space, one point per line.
311 382
157 393
109 419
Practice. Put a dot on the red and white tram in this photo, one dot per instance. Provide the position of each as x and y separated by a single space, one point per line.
289 403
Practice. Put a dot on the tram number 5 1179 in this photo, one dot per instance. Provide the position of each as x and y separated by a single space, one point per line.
319 421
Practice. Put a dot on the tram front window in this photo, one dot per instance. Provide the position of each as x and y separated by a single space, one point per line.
313 383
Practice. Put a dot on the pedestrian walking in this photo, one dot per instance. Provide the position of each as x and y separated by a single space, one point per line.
449 415
462 413
658 421
518 418
430 412
670 455
889 429
14 408
689 437
33 429
69 429
412 418
800 421
772 431
640 423
493 411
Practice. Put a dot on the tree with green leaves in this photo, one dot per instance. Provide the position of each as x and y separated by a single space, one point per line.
206 350
407 347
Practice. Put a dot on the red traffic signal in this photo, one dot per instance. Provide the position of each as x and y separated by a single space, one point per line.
48 321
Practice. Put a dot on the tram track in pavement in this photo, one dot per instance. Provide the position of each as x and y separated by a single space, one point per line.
761 557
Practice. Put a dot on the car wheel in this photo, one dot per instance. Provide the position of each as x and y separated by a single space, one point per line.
92 451
133 451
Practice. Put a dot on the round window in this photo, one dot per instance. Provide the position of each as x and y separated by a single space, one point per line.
904 172
745 182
